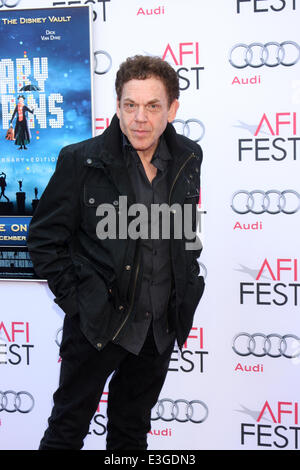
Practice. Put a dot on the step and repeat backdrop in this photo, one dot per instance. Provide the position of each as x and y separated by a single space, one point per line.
234 384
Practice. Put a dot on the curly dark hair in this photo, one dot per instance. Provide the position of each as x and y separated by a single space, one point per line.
141 67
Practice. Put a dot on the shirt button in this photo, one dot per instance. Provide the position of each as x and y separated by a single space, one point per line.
89 161
99 345
121 307
127 267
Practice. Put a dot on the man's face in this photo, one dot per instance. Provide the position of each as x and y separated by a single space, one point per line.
144 112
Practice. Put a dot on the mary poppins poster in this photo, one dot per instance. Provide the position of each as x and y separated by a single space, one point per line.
45 104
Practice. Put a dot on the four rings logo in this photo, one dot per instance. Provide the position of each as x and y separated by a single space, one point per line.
271 54
102 62
272 201
181 410
272 345
58 337
11 401
9 3
192 128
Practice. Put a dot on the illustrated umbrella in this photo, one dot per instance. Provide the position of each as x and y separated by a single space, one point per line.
30 88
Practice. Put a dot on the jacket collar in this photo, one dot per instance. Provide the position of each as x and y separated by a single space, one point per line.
113 143
112 161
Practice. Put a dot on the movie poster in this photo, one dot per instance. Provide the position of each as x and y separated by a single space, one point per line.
45 104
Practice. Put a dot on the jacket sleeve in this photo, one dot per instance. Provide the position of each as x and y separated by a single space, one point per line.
51 229
196 223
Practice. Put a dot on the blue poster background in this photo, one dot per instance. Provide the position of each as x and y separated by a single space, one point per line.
47 48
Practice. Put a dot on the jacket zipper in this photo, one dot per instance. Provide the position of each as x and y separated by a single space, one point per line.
131 303
174 181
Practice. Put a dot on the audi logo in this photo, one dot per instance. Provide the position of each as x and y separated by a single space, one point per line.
271 54
203 270
58 336
271 202
191 126
273 345
11 401
99 67
9 3
181 410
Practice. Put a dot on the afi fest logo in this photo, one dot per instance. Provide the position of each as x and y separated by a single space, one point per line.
274 139
275 283
265 6
276 425
103 16
192 356
185 58
15 344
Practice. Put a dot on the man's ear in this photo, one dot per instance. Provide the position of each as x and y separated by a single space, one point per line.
118 108
173 110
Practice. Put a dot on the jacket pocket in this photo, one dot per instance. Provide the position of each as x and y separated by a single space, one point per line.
100 202
95 195
68 302
94 296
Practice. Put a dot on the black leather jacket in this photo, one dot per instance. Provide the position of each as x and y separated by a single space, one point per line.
97 279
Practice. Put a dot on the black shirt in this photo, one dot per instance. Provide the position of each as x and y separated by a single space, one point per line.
150 306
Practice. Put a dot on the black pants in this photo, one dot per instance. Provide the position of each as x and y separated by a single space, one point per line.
133 391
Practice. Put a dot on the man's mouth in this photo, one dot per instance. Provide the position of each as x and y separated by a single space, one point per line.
140 131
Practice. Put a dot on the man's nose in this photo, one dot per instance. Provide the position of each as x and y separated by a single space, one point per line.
141 114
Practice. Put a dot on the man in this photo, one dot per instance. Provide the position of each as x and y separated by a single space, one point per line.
126 298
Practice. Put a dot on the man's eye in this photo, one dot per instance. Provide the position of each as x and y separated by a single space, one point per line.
153 107
129 106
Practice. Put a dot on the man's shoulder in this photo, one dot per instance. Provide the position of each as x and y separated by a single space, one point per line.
180 143
190 145
84 147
